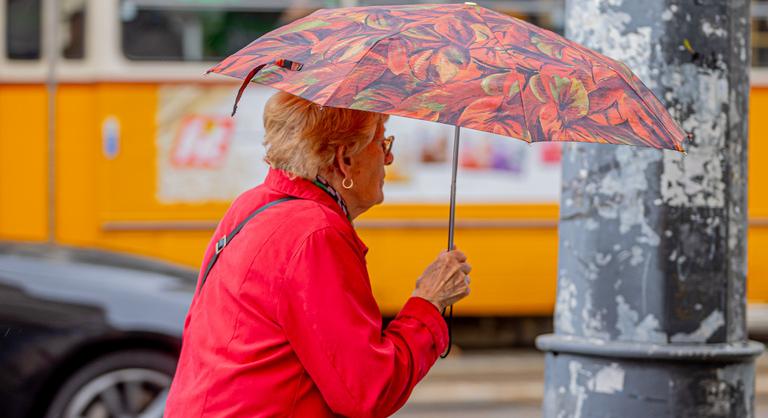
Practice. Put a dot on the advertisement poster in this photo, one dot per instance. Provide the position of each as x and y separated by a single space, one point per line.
204 155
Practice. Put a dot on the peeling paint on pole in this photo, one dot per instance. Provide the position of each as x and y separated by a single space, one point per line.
609 379
590 387
631 328
698 180
705 331
652 259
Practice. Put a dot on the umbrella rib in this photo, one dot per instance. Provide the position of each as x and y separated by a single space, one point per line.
525 113
485 22
522 84
642 99
388 36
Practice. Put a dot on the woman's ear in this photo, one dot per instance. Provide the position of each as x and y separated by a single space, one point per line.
343 162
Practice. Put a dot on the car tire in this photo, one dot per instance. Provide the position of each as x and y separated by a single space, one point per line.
125 383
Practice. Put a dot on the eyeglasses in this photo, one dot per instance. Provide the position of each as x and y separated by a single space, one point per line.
387 144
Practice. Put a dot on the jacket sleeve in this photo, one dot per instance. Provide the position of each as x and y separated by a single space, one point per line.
333 323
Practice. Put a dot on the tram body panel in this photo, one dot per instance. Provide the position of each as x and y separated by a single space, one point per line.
114 124
757 237
23 162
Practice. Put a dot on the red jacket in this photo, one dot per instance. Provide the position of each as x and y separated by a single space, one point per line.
286 324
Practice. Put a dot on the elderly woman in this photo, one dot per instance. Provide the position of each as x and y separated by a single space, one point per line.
285 323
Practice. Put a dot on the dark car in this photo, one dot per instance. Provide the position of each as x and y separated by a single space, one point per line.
88 334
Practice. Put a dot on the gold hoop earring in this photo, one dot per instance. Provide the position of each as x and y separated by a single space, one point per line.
344 183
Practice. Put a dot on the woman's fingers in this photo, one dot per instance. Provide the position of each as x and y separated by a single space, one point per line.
460 289
446 280
466 268
458 256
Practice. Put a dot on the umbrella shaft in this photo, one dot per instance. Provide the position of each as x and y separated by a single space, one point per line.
452 216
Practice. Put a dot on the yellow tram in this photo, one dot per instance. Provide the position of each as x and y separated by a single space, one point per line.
112 138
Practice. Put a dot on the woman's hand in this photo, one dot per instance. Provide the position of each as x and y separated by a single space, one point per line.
445 281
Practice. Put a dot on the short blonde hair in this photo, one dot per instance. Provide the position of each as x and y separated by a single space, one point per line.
302 137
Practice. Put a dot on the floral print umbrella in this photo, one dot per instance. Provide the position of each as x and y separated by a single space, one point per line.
458 64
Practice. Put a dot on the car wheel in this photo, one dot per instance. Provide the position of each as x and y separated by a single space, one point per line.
125 384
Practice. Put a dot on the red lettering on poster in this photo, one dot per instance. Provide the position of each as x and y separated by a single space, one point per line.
202 141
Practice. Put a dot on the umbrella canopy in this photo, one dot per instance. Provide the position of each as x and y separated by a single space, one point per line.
459 64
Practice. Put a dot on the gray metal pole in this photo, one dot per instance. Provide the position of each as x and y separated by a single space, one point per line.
52 50
650 313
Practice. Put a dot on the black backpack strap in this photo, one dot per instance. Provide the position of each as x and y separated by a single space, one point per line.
223 241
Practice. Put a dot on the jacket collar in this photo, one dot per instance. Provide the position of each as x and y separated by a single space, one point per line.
281 182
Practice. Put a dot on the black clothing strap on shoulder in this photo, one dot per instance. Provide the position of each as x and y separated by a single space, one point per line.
224 240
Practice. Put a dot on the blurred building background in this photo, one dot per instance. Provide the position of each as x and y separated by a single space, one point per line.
113 139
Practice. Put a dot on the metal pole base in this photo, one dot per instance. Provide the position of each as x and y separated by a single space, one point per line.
596 379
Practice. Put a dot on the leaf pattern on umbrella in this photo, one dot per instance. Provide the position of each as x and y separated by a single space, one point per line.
464 65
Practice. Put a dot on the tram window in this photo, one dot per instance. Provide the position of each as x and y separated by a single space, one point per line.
194 33
760 33
23 29
73 29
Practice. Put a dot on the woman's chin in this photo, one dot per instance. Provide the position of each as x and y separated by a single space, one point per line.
379 200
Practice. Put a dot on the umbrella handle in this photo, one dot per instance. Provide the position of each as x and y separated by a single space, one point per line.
455 169
451 227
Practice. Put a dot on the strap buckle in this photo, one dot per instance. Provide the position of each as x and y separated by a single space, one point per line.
220 244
